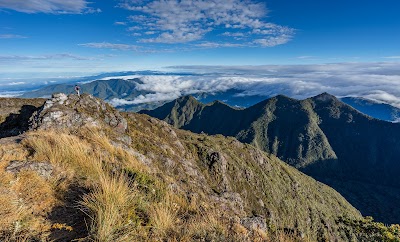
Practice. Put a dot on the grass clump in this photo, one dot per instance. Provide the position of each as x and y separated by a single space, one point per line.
111 206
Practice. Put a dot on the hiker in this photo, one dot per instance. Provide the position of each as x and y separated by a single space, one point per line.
77 90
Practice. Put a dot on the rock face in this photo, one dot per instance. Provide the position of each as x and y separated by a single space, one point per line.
62 111
15 114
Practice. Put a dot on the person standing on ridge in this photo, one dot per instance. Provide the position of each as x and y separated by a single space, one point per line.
77 90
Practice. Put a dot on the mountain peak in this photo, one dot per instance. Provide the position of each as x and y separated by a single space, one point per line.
284 98
187 98
324 97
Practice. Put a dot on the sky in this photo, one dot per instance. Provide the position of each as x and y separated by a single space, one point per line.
58 38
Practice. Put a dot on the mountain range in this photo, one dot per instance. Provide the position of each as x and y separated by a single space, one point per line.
113 86
81 170
325 138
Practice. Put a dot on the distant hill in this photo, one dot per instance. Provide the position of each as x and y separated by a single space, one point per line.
322 136
374 109
104 89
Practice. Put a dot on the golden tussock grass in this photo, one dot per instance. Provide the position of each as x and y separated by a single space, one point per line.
111 206
164 216
25 198
112 201
64 150
124 201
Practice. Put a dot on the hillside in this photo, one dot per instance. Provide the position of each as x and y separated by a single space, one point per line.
85 171
321 136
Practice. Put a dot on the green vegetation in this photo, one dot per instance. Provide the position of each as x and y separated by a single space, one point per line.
321 136
367 230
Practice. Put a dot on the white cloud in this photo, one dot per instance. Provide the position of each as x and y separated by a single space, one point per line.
377 81
147 98
49 6
120 23
383 96
191 20
15 83
233 34
12 36
10 94
217 45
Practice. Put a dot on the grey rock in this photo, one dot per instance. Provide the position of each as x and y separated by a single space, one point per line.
253 223
73 111
43 169
218 167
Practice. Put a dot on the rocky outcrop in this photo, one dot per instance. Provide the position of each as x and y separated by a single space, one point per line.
15 114
73 111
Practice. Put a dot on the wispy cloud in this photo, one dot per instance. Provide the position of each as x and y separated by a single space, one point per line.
49 6
303 57
392 57
120 23
174 21
135 48
12 36
7 58
8 94
113 46
217 45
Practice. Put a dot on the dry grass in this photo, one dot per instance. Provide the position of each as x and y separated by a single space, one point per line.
91 156
164 216
25 198
125 202
111 205
64 150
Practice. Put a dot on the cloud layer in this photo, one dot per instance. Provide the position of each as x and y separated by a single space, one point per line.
377 81
183 21
48 6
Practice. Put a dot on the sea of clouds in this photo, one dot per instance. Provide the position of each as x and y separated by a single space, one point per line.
375 81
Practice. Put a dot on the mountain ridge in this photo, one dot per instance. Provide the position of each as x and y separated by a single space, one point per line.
115 87
229 190
321 136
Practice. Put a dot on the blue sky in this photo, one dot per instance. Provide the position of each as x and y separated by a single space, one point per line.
57 37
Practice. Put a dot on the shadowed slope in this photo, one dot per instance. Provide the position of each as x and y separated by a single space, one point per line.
322 136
